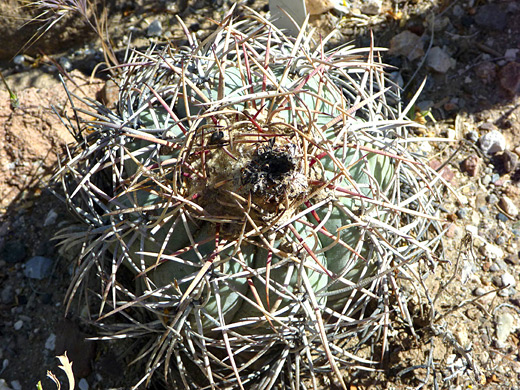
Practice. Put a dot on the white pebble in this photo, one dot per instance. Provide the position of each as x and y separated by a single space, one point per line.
439 60
504 326
492 142
50 343
19 59
492 252
508 280
509 206
50 219
18 325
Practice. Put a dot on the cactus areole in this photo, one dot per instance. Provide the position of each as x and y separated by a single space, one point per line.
262 193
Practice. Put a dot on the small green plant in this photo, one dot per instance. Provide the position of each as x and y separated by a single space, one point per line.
263 195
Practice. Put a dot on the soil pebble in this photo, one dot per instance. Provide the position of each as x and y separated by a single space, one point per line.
38 267
506 161
16 385
492 252
471 165
504 324
508 206
372 7
154 29
492 199
83 384
439 61
509 77
407 44
498 265
50 343
3 385
51 217
492 142
7 295
508 280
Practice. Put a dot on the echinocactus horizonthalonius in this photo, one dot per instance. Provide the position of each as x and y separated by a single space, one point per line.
262 193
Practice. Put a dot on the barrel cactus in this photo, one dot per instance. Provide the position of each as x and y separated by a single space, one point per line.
263 195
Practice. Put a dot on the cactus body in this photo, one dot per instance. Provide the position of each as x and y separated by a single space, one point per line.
260 190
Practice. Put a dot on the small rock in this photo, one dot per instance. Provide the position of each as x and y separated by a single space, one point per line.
371 7
318 7
16 385
7 295
397 78
508 280
481 292
492 17
458 11
504 324
452 231
19 59
472 136
498 265
3 385
446 172
509 77
492 142
18 325
50 343
439 60
65 64
471 165
500 240
508 206
407 44
507 292
486 71
51 217
512 259
439 23
492 199
461 333
38 267
511 54
492 252
505 161
154 29
463 212
487 126
502 217
83 384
